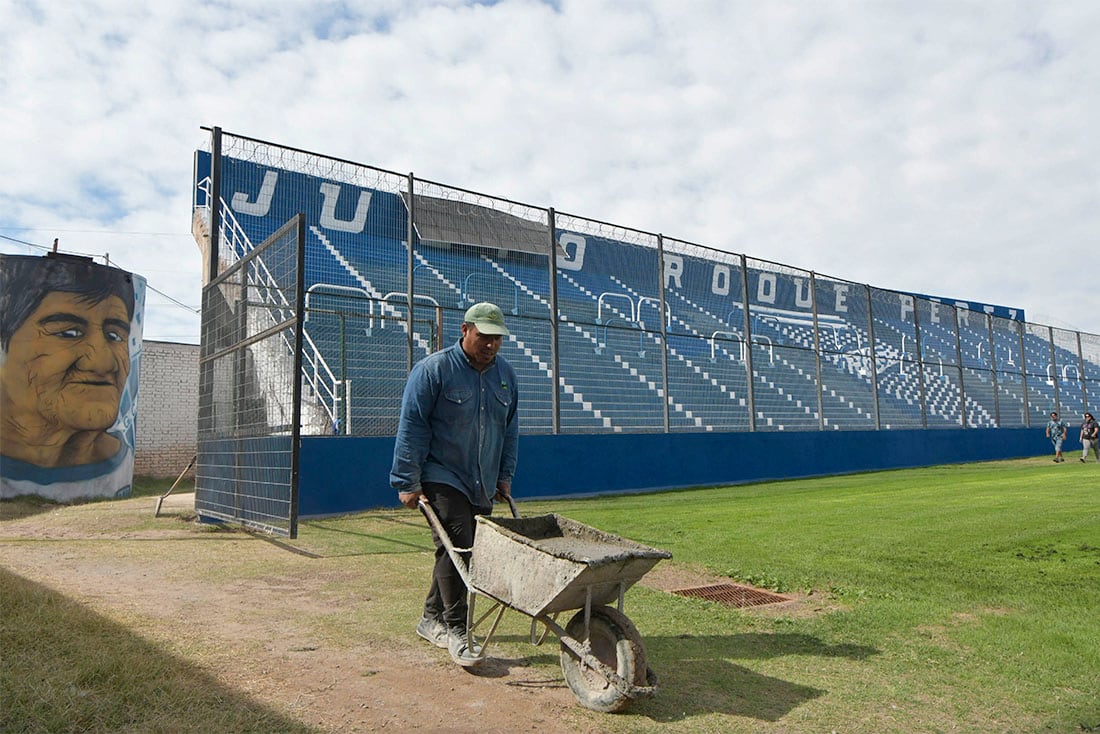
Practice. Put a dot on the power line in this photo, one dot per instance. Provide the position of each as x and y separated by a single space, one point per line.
97 231
109 263
49 249
195 311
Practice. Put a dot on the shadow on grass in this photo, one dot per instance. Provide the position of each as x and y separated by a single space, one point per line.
386 544
18 508
696 677
69 669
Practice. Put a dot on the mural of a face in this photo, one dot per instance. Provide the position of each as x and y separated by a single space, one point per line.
67 364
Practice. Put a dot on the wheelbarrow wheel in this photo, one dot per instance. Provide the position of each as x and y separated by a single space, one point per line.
615 642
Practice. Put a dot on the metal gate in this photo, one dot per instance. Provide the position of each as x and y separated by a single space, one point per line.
249 397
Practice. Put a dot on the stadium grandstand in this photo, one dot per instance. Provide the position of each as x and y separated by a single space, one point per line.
644 361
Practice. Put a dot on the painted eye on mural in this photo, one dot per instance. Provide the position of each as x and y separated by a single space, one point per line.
73 332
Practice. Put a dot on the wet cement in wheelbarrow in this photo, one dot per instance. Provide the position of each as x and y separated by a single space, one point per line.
564 538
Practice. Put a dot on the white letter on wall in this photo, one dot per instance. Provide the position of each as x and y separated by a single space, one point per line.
331 192
574 259
765 288
674 269
720 280
841 298
802 297
963 312
906 305
260 207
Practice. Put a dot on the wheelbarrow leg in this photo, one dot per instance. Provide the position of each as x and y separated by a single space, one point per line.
474 624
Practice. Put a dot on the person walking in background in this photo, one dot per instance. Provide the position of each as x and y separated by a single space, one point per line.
1056 432
1090 436
456 449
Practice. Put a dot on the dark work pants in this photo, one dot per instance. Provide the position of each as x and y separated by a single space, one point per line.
447 595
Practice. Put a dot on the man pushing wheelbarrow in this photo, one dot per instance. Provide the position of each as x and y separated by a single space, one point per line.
456 449
456 439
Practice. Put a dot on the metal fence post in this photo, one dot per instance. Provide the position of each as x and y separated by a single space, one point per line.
1054 370
296 384
555 398
215 203
872 357
920 366
1081 373
993 369
959 367
410 265
748 342
1023 373
817 353
664 329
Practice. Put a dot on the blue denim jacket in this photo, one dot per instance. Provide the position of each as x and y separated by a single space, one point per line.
458 426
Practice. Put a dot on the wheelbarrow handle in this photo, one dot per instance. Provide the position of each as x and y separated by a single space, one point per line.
445 538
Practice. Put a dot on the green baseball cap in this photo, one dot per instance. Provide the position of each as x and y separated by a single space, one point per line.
487 317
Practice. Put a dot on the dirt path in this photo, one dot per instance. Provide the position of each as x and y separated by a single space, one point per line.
270 645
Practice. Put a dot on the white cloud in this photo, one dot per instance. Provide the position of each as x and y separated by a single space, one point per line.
941 148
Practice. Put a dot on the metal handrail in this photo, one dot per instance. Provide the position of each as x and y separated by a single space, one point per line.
761 339
649 299
734 336
630 324
341 289
240 246
465 299
607 295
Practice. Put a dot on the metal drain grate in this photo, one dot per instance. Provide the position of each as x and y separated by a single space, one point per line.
733 595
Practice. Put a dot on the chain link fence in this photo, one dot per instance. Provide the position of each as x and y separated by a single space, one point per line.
615 329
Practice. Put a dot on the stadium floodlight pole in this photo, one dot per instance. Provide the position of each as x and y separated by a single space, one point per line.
664 329
748 342
817 353
555 397
993 369
411 261
872 358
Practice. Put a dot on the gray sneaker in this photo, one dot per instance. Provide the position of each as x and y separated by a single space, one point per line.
459 647
433 630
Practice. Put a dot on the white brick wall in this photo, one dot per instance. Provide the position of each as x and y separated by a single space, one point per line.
168 408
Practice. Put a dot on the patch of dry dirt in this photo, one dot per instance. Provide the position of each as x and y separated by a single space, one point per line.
260 635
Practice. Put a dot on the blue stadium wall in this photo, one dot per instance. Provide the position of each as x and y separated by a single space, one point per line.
349 474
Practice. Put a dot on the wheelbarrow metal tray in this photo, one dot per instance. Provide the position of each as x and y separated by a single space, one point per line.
548 563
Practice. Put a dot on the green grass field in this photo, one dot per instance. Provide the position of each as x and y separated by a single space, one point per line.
960 598
968 596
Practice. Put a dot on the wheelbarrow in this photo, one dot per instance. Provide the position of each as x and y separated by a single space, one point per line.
544 565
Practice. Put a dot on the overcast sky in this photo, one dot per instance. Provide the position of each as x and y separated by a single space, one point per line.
949 148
